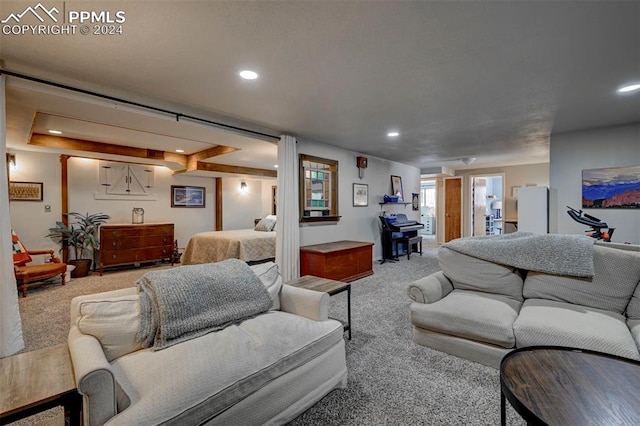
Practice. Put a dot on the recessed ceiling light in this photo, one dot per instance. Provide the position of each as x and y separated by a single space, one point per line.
275 165
248 74
179 150
629 88
55 132
393 134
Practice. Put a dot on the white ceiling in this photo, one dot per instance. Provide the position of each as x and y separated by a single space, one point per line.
481 79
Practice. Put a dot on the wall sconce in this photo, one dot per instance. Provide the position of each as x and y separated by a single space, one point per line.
243 187
11 160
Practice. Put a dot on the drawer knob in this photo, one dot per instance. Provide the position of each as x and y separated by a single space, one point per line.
113 256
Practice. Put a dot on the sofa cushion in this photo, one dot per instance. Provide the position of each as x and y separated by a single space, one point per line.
633 308
617 273
218 369
270 276
470 273
634 327
472 315
113 320
548 322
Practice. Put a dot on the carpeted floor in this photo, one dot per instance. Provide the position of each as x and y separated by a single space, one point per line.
392 381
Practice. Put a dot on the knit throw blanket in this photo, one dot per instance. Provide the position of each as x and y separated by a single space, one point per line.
187 302
557 254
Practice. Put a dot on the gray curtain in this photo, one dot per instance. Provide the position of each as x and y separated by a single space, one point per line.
11 340
287 224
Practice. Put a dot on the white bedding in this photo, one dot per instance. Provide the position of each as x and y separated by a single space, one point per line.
244 244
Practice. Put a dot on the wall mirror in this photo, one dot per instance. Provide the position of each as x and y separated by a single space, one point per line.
318 189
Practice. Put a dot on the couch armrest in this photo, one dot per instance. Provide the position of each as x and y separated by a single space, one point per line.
307 303
430 288
94 378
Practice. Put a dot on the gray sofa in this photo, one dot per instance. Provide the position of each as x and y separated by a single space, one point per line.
265 370
481 310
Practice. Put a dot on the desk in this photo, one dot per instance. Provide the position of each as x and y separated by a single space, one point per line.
35 381
567 386
325 285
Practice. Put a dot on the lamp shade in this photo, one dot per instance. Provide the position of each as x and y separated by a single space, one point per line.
497 204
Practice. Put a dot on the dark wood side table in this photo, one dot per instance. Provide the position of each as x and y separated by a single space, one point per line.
326 285
35 381
568 386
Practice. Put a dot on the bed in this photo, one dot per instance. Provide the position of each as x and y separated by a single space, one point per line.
244 244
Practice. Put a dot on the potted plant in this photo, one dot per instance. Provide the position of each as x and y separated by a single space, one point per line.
81 237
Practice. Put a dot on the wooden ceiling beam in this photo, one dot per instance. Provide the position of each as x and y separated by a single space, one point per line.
226 168
192 160
61 142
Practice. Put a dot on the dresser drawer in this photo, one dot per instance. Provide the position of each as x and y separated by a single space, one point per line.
123 244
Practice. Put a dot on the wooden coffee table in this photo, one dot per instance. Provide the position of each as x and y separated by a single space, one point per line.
568 386
326 285
35 381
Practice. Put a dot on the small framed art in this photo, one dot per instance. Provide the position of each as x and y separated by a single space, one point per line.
187 196
360 195
25 191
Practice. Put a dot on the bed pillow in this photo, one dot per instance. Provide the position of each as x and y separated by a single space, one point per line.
272 280
266 224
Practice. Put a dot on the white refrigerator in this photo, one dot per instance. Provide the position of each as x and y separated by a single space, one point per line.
533 209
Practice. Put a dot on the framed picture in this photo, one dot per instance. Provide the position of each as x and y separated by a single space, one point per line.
25 191
360 195
415 201
396 187
187 196
611 188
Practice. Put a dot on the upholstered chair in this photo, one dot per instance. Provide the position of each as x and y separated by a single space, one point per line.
28 274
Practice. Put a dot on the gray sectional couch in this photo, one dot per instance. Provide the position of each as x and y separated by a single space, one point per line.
266 369
480 310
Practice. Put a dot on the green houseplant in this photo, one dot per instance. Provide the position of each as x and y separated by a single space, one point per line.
80 237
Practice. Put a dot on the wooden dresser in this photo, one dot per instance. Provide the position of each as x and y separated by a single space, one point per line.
339 260
129 244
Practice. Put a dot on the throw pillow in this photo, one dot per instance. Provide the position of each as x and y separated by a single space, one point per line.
114 322
266 224
270 276
20 254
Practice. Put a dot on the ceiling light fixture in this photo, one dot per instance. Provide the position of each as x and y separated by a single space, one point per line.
468 160
248 74
55 132
393 134
243 187
180 150
629 88
275 166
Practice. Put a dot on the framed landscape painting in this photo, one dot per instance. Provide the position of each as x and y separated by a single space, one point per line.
187 196
611 188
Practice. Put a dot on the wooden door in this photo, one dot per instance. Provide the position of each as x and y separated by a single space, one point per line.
479 188
452 208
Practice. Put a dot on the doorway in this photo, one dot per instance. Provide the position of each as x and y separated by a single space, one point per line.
428 210
487 195
452 208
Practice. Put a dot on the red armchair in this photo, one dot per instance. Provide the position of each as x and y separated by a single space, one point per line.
29 274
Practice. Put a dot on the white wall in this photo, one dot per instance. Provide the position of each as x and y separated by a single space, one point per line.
359 223
83 183
573 152
28 218
240 209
